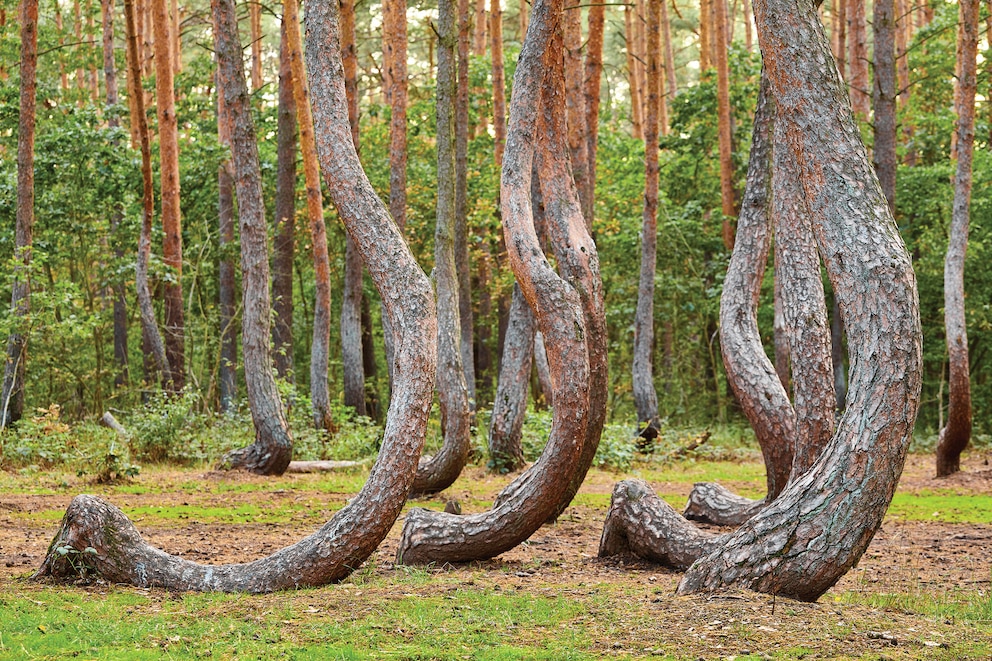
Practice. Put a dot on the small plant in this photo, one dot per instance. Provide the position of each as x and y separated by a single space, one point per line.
78 560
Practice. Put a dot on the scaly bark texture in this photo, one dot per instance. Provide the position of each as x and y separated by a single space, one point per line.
574 99
462 266
751 375
227 371
956 434
353 359
507 420
884 97
272 450
114 122
440 537
593 75
14 370
149 325
728 204
440 471
645 397
857 59
320 346
823 521
342 544
284 243
172 239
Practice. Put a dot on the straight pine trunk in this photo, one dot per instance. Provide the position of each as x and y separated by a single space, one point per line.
228 369
884 97
728 203
462 265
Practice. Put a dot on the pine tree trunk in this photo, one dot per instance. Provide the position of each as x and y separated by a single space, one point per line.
439 472
14 371
499 84
884 98
727 202
705 35
255 30
575 101
593 76
527 503
172 240
956 434
272 450
344 543
510 405
462 265
668 53
320 346
149 326
284 243
633 79
353 359
858 59
645 397
228 369
114 122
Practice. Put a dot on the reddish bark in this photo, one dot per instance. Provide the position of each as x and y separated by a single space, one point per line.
633 78
342 544
857 60
255 30
578 145
840 36
499 84
593 75
228 368
705 34
956 434
14 370
272 450
727 194
668 52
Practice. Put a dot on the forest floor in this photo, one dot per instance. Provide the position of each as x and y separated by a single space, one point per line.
921 591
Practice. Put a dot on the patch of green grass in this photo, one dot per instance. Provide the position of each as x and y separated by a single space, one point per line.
944 505
974 608
690 472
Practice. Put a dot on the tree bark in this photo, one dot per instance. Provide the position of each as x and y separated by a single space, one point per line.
172 241
543 368
752 377
342 544
727 202
956 434
668 53
14 371
440 471
858 59
705 35
840 38
255 28
575 101
273 448
228 369
320 346
593 75
645 397
149 325
462 265
284 244
510 405
114 121
499 84
884 98
437 536
823 521
352 348
636 104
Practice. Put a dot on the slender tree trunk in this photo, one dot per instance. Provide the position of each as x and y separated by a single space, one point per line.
462 265
840 36
509 407
668 53
837 351
578 145
14 371
522 16
439 472
956 434
884 98
783 366
149 326
228 370
177 42
526 504
320 346
593 75
499 85
748 34
344 543
705 34
114 122
479 31
636 103
858 59
284 244
172 241
727 202
543 368
645 397
273 448
368 362
352 346
904 25
255 30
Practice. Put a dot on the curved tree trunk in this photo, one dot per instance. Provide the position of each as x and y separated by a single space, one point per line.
437 536
956 434
172 239
320 347
14 371
751 375
821 524
645 396
273 448
284 244
149 325
352 535
439 472
510 405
